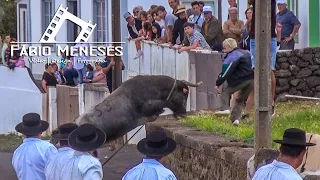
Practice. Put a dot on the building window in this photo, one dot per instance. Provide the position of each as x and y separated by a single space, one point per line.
23 29
72 28
294 6
48 12
100 19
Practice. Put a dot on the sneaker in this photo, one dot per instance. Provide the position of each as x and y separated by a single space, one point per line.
236 122
139 54
272 111
223 112
245 116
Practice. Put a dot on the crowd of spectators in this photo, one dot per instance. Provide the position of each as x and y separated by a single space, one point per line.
175 26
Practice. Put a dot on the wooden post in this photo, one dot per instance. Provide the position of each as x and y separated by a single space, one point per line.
262 81
116 37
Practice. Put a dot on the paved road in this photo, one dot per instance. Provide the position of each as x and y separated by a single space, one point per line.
126 158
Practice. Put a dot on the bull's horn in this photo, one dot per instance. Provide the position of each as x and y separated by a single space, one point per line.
192 84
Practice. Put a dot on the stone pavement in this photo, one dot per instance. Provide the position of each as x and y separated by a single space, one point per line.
126 158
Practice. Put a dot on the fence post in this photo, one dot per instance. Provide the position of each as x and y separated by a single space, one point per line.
52 107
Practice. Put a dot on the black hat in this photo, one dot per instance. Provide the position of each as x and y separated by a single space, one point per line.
156 144
294 137
64 131
86 138
32 125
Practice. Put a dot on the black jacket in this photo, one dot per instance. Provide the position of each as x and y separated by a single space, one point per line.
178 30
138 25
237 72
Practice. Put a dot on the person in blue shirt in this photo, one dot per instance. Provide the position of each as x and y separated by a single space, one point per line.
155 146
71 75
292 151
83 165
65 152
89 73
30 158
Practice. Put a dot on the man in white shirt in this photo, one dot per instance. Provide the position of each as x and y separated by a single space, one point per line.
83 165
30 158
65 152
197 17
292 150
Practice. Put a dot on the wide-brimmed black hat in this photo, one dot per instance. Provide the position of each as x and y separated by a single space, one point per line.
86 138
294 137
156 144
32 125
64 131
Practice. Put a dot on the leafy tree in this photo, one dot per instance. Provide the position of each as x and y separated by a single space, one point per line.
8 17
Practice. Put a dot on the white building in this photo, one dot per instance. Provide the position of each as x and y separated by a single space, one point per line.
33 16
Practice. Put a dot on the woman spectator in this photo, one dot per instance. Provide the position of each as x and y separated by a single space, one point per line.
12 59
232 28
57 73
150 18
157 33
245 40
98 75
136 11
158 20
49 78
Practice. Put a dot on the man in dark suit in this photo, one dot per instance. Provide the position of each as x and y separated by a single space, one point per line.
134 26
212 29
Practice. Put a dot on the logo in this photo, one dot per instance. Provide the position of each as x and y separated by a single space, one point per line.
82 50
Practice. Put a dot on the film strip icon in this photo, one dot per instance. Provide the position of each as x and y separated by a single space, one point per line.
60 16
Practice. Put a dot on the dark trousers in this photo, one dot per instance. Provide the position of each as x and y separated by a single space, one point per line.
245 89
287 46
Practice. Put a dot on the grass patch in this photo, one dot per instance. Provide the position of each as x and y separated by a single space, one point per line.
9 142
299 114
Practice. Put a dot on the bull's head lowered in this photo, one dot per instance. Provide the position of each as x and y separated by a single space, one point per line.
137 101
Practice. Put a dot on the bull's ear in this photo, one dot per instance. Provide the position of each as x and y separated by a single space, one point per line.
185 90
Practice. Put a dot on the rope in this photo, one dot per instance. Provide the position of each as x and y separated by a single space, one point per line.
121 146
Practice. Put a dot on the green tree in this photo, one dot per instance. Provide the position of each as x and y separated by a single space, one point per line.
8 17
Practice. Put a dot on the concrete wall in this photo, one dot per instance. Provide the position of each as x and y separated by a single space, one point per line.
202 155
298 72
18 95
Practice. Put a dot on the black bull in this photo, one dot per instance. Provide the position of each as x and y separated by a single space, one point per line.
137 101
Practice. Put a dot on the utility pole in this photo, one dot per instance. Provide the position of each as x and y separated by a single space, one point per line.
262 80
116 37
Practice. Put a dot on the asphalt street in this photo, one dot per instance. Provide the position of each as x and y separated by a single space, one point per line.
125 159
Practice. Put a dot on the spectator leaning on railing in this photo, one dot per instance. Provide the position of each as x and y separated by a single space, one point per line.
169 20
195 39
178 30
134 26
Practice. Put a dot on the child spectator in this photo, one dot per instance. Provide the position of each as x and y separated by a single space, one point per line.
20 62
195 39
143 16
89 74
12 59
157 33
134 26
157 19
147 31
150 18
